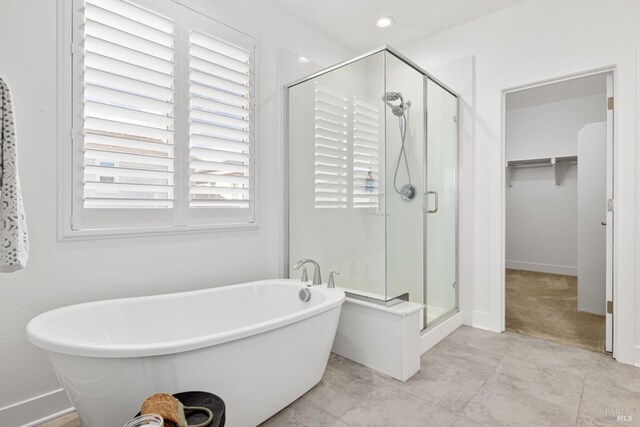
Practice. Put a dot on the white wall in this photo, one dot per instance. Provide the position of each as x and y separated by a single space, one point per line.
551 129
541 221
533 41
60 274
541 218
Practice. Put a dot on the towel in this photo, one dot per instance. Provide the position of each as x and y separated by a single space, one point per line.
14 242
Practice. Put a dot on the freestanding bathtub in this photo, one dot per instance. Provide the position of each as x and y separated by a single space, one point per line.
256 345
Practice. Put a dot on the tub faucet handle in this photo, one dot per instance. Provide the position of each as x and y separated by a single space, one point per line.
331 283
304 277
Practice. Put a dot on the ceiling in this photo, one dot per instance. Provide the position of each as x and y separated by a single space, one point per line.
352 22
556 92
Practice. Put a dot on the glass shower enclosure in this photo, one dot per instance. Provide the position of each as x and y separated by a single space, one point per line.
372 147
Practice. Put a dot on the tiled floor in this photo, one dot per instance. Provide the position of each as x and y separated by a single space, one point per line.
546 306
473 378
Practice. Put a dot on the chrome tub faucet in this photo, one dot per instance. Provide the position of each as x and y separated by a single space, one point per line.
317 279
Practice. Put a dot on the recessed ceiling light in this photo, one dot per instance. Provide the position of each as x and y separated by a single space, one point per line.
303 59
385 21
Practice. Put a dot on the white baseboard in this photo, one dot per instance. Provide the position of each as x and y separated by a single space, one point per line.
636 356
439 332
481 320
37 410
566 270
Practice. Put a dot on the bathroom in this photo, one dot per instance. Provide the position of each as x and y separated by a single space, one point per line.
478 50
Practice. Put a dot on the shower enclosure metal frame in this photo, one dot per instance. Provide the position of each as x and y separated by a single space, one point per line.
426 76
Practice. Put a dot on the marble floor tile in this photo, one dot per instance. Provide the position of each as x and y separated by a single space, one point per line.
338 391
570 360
464 421
603 404
590 422
457 353
498 405
484 340
303 413
607 371
451 374
450 387
350 367
548 384
390 407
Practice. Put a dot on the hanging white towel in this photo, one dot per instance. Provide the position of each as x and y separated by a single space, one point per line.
14 241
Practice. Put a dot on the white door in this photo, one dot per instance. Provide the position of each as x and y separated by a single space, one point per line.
609 217
592 218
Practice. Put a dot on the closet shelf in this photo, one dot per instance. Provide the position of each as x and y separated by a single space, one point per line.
543 161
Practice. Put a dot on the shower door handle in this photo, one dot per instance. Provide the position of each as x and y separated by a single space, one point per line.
426 202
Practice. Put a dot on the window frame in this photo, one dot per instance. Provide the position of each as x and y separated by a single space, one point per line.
69 140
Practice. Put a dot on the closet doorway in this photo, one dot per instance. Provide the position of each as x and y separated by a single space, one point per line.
559 211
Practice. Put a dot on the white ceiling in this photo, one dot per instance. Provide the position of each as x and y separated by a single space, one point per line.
556 92
352 22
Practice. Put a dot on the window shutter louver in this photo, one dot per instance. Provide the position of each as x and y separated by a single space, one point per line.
220 123
366 153
162 120
128 106
330 148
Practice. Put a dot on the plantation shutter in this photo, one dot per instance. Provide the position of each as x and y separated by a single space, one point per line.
366 153
221 123
163 118
330 148
128 105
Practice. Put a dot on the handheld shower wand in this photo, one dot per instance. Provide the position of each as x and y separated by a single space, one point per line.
408 191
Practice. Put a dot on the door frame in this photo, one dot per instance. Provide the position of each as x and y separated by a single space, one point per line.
611 290
609 213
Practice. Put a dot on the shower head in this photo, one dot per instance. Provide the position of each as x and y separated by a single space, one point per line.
392 96
398 110
408 191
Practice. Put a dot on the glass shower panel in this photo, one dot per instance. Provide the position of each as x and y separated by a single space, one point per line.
405 168
336 170
373 181
441 217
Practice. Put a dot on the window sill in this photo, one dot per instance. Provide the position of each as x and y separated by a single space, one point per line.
68 235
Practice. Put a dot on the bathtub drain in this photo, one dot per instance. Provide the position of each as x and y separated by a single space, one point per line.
304 294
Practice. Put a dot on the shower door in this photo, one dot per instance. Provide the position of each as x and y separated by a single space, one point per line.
440 203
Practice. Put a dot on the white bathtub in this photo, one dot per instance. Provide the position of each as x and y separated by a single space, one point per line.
255 345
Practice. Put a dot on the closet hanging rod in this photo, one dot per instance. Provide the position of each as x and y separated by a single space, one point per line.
543 161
